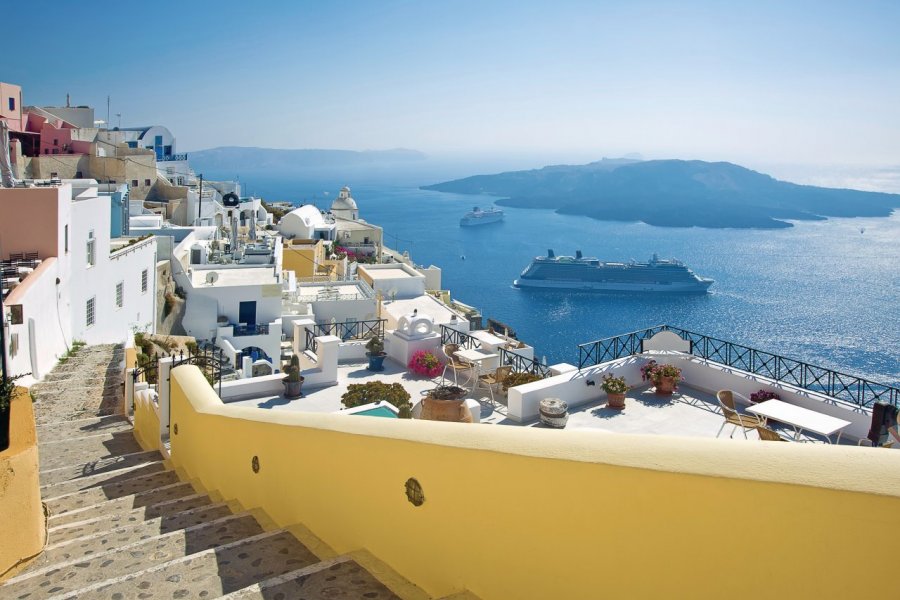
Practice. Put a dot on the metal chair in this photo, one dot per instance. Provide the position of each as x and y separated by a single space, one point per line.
454 364
497 377
733 417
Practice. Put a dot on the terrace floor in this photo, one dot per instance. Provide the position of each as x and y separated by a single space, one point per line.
688 412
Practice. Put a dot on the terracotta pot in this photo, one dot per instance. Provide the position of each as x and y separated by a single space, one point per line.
665 385
445 410
615 401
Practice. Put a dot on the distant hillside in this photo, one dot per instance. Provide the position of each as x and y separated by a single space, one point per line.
233 159
672 193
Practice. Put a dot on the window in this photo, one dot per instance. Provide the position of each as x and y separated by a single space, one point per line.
46 150
132 144
134 183
66 239
144 278
147 182
56 142
91 249
120 294
89 316
12 103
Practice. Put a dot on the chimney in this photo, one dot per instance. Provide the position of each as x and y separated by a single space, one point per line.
67 100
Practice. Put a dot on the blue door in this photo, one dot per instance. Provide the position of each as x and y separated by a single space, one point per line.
247 313
158 147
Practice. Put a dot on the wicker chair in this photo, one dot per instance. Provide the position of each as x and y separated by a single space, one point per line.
769 435
455 365
733 417
489 380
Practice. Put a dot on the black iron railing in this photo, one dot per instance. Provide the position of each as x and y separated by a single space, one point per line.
460 338
842 386
346 330
260 329
522 364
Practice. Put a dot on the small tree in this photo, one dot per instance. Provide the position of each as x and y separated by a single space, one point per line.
375 345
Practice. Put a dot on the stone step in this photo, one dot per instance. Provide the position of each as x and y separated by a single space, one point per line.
54 490
78 572
340 577
93 523
111 491
96 467
62 453
76 507
207 574
94 543
63 430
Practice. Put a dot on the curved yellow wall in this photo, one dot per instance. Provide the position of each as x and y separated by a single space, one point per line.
524 513
21 514
146 422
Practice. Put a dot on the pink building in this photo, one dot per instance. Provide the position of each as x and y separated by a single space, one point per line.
11 106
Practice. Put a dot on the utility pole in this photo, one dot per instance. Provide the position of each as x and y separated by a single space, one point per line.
200 205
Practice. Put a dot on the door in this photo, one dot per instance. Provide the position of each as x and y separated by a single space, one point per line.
158 147
247 313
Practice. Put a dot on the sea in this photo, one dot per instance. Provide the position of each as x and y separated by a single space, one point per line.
823 292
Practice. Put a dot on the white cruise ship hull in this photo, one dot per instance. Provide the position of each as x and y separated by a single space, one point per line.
700 287
485 219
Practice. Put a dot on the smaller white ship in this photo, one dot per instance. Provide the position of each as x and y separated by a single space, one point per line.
481 217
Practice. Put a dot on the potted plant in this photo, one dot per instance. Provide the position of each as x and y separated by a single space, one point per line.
425 363
446 403
664 377
376 354
294 380
615 388
522 378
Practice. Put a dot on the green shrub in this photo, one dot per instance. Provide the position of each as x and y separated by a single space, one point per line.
358 394
515 379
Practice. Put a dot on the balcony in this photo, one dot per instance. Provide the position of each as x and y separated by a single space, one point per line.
173 157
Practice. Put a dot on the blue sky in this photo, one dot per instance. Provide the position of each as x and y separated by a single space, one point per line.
757 82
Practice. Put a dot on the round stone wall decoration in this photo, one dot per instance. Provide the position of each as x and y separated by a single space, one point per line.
414 492
254 464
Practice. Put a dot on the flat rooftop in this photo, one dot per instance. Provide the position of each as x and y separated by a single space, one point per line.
388 273
262 275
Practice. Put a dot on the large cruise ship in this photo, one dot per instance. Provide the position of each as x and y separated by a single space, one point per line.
588 273
481 217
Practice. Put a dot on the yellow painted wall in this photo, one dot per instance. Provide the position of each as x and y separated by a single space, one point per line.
146 423
302 259
528 513
21 514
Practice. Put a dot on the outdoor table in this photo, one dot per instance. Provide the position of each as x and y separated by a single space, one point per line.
485 337
800 418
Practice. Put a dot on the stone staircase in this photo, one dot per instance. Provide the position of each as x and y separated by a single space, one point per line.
122 526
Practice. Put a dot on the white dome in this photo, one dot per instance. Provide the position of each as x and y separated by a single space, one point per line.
344 201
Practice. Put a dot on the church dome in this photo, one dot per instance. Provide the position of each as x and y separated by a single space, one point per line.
344 201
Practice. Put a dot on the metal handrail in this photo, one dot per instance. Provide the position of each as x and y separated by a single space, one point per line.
522 364
842 386
346 330
460 338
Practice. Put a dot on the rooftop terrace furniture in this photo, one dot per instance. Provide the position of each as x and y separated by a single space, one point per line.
733 417
496 377
455 365
769 435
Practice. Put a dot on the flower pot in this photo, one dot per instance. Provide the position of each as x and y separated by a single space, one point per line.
454 411
292 388
615 401
665 385
376 361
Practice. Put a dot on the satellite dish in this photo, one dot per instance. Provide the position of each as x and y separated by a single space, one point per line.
212 277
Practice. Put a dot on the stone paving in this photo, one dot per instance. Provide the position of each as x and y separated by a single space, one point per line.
89 383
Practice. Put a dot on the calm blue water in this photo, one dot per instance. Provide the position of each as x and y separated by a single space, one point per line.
822 292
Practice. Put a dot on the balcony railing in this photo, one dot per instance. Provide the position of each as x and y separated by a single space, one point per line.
172 157
346 330
841 386
519 363
243 330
